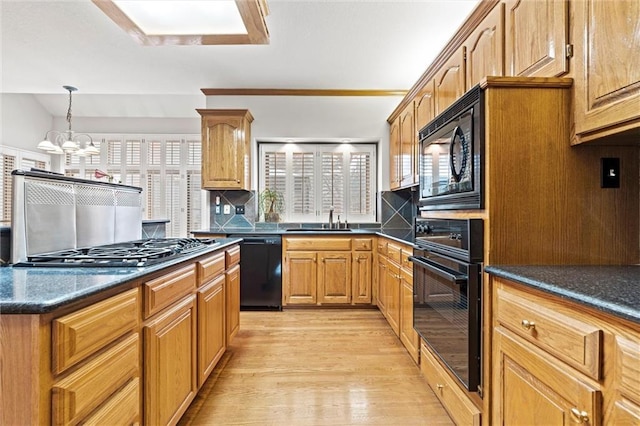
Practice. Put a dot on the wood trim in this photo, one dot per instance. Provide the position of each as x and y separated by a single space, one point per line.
301 92
483 8
520 82
252 13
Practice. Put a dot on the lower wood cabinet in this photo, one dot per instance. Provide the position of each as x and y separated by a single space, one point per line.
232 297
320 270
211 326
170 363
408 335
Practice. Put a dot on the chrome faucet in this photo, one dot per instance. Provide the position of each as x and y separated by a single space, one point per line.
330 217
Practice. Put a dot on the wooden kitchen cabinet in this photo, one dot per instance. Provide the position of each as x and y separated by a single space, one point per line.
531 387
408 335
425 108
170 364
536 38
408 147
485 48
626 407
334 277
232 294
394 154
211 326
607 69
226 149
450 81
321 270
392 295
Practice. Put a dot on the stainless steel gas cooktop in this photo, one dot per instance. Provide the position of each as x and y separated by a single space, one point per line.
136 253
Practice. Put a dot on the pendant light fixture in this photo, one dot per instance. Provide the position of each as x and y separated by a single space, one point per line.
57 142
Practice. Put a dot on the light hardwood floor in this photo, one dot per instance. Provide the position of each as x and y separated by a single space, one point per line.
316 367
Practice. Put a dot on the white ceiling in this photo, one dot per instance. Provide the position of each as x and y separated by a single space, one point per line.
315 44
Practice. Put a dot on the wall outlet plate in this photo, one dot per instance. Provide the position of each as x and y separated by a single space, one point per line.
240 209
227 209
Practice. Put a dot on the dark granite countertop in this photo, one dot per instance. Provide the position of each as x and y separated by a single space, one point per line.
611 289
36 290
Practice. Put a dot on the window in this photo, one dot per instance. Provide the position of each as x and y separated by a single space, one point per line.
11 159
314 177
166 167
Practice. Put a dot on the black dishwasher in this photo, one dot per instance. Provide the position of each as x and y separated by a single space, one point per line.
260 272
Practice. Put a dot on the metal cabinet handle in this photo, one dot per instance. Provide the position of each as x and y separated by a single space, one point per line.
528 325
439 386
579 416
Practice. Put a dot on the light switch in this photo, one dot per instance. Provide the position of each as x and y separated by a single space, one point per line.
227 209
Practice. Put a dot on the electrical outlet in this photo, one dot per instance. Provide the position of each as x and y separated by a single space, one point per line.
217 209
610 173
240 209
227 209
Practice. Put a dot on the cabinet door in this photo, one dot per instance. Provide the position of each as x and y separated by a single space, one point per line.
450 81
170 363
485 48
211 326
394 154
334 277
408 335
607 65
225 149
536 38
425 107
408 141
232 294
382 286
392 297
300 277
361 277
530 387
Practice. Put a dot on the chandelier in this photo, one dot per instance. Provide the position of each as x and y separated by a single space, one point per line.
56 142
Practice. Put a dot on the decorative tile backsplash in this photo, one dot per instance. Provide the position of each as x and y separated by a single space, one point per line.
397 214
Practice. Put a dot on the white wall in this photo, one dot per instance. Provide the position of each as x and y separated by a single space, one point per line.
131 125
317 117
24 121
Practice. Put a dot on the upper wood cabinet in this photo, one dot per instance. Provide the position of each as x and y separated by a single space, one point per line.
408 143
394 154
226 138
485 48
450 81
607 68
425 107
536 38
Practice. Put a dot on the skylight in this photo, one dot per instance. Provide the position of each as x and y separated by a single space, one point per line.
166 17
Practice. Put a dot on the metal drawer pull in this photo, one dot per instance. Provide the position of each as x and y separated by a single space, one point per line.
440 387
579 416
528 325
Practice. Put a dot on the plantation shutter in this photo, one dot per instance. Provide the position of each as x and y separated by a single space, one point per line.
332 182
132 152
172 148
172 202
154 152
303 183
194 153
114 152
360 183
155 208
194 200
7 165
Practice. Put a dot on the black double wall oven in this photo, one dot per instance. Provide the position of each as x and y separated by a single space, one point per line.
448 253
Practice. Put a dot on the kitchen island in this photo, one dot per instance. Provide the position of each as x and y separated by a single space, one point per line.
115 345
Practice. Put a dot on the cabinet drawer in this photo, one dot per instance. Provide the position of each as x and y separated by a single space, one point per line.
362 244
75 396
211 267
553 327
393 253
407 275
404 258
382 247
80 334
123 408
628 367
459 407
232 256
318 244
163 291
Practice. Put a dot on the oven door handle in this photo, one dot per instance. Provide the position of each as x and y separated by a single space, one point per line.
438 270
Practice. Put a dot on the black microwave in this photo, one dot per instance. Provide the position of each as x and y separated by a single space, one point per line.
450 156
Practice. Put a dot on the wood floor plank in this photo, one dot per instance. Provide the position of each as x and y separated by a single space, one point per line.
316 367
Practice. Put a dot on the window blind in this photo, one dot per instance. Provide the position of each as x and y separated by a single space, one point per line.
7 165
303 183
332 183
359 183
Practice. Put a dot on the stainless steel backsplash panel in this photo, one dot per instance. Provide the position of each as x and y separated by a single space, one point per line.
52 212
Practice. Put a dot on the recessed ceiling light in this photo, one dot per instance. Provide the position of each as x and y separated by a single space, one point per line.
190 22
